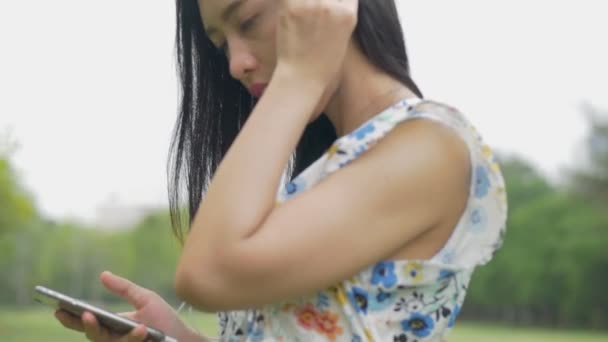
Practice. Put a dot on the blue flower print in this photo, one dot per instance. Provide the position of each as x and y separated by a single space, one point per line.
445 274
420 325
255 331
360 150
356 338
381 300
362 132
447 256
453 317
482 182
384 273
323 302
479 220
358 298
256 336
296 187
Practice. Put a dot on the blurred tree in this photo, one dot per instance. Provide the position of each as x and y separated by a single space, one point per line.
156 252
591 178
553 260
16 205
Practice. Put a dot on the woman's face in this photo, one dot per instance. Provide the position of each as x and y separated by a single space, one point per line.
245 30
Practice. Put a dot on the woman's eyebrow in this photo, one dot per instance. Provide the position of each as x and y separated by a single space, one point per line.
226 14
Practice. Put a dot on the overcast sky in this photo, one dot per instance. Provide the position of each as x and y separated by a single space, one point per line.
88 88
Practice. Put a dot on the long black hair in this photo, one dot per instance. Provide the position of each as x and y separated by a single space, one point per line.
214 106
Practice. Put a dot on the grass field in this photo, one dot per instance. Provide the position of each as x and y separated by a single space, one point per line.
39 325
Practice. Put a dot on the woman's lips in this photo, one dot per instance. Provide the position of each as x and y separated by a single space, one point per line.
257 90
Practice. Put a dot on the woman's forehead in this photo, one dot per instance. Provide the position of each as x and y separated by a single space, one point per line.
218 10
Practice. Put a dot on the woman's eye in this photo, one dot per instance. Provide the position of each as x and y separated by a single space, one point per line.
248 24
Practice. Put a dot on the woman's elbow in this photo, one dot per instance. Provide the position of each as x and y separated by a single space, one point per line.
198 290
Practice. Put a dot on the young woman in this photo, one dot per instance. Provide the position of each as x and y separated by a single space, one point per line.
391 201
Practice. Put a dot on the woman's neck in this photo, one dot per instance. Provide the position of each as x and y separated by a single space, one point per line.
362 93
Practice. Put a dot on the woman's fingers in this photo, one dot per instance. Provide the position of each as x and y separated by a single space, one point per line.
132 293
136 335
94 332
69 321
129 315
91 328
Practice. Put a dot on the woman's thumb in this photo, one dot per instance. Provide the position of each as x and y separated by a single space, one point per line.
136 295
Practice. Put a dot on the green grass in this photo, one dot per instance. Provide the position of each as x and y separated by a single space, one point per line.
467 332
39 325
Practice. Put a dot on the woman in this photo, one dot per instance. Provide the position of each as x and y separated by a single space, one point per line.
395 202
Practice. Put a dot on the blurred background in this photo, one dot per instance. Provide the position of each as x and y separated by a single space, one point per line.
88 98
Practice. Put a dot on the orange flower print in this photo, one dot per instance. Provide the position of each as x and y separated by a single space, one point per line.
307 317
327 324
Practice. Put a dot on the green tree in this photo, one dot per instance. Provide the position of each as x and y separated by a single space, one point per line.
156 253
591 178
16 205
553 261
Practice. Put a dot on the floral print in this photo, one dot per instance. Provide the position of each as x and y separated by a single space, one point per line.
324 323
482 182
327 324
362 132
294 188
453 316
381 300
479 220
358 298
420 325
402 300
414 271
384 273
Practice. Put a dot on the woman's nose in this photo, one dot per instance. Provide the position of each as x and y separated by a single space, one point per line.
242 60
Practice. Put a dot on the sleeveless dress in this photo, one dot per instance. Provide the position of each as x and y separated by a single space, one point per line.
400 301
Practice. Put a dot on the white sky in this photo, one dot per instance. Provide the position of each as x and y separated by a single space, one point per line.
88 88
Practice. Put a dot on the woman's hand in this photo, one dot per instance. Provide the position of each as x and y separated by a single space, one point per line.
150 309
313 36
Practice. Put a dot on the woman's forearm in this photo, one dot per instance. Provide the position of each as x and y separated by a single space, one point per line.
243 190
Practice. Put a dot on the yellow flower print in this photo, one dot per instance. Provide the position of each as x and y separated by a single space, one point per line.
487 152
339 294
495 167
332 150
413 271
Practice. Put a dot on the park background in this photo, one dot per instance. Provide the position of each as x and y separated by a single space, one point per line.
89 96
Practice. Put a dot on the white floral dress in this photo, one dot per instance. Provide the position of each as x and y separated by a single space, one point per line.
400 301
